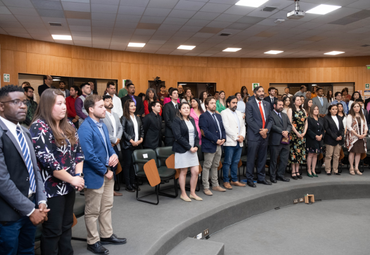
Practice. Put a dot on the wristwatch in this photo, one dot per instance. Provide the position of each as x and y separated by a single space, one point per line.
80 175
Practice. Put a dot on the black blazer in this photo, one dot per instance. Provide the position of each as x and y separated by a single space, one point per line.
152 125
332 131
278 125
268 99
139 104
129 133
181 134
169 114
312 131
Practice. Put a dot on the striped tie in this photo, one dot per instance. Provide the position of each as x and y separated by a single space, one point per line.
27 158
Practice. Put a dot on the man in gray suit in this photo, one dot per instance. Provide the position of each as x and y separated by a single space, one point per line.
115 131
279 142
321 102
22 196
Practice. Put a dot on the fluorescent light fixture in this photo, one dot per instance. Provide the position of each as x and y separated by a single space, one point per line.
232 49
251 3
334 53
186 47
131 44
62 37
323 9
274 52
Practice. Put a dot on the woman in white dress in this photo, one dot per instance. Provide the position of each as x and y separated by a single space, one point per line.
186 147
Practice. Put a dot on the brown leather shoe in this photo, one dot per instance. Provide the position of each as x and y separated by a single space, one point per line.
227 185
207 192
117 194
218 188
239 184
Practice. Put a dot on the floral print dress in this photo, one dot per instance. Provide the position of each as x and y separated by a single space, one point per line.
297 153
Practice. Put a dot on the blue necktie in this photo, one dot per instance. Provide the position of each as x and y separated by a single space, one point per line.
27 158
321 101
218 125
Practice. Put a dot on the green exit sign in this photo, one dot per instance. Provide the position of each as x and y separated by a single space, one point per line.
368 67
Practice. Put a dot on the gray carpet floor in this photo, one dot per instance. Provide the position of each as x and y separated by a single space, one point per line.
327 227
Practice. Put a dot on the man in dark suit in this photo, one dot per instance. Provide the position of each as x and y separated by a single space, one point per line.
22 195
99 159
280 128
213 137
271 98
138 102
257 115
152 124
169 113
48 81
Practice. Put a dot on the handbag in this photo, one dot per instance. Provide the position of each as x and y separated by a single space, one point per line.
285 140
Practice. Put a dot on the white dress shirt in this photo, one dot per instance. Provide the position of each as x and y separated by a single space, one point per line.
335 118
117 105
136 128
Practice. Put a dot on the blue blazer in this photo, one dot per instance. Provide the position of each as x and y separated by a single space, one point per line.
92 144
210 133
254 119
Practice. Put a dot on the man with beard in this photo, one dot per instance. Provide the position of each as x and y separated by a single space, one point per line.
115 131
279 142
181 91
31 106
138 102
257 116
235 132
79 103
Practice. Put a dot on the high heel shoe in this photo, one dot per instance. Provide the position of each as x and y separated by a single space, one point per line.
351 171
185 199
196 197
358 172
299 176
294 176
310 175
315 175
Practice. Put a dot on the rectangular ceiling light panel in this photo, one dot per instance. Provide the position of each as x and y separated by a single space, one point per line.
274 52
323 9
139 45
232 49
251 3
62 37
334 53
186 47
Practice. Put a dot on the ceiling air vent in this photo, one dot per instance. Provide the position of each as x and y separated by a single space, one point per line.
55 24
269 9
365 45
225 34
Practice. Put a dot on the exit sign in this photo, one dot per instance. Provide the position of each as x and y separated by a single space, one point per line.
368 67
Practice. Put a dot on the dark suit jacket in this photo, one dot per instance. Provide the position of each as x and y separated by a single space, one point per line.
210 133
278 125
268 99
139 104
332 131
92 144
129 132
254 119
42 88
14 177
312 131
152 125
367 118
181 134
169 114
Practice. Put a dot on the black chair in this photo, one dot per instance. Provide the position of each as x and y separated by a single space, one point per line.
139 159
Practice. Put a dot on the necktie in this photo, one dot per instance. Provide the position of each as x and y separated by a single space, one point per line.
262 115
321 101
218 126
133 98
176 106
281 119
27 158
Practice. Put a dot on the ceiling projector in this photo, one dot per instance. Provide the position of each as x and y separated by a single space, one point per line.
297 13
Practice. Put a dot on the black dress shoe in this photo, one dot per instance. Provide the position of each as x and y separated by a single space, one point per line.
266 182
135 187
273 180
117 187
251 184
97 248
337 173
130 189
283 179
113 240
328 173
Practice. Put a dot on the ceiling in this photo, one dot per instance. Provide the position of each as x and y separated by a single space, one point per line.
165 24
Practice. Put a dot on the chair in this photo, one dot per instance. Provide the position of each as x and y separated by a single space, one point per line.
140 158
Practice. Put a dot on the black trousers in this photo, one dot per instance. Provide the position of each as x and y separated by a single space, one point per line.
57 231
128 167
275 151
256 149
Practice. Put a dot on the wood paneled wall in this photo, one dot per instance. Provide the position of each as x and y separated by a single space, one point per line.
19 55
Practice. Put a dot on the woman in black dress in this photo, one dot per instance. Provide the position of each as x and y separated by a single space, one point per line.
314 139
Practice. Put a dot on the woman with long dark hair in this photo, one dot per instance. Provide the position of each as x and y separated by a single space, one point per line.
133 135
330 97
185 147
286 107
60 159
202 98
188 96
150 96
307 105
195 113
244 92
355 95
356 137
221 102
298 117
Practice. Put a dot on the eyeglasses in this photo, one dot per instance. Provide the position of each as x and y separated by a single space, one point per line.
16 102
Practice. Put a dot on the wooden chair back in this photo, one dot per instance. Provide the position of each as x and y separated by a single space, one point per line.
151 172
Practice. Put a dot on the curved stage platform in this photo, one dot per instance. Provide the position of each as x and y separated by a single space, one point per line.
159 229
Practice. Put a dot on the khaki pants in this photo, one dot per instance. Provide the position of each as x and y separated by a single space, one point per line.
330 151
98 205
211 163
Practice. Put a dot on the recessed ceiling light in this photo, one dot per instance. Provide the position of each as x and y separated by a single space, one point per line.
62 37
251 3
131 44
274 52
232 49
334 53
186 47
323 9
